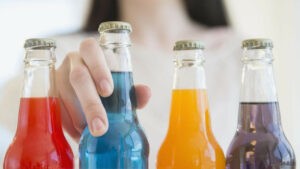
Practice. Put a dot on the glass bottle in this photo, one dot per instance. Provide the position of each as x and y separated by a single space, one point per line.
39 141
259 142
125 145
189 143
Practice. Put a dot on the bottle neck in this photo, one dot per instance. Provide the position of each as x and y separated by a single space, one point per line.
189 110
116 49
39 73
39 107
259 109
189 72
258 84
121 104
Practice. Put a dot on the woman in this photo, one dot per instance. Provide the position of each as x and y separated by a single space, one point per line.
157 32
157 24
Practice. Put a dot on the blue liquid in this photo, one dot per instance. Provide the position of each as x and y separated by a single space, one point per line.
125 145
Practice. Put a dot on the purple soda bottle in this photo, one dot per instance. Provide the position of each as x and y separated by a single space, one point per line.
259 142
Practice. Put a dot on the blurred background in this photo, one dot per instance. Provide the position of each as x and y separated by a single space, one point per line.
278 20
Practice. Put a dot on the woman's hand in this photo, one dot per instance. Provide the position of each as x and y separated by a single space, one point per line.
81 78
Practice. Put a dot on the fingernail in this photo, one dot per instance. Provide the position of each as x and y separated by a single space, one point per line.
97 125
105 87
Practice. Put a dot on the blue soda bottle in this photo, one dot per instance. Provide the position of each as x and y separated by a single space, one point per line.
125 145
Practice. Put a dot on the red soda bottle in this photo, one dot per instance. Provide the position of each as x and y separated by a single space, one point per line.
39 141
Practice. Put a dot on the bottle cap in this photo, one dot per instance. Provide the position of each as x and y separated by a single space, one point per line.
257 43
114 25
188 45
39 42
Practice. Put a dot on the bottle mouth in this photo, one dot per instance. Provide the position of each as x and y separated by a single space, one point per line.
189 57
188 62
114 40
263 54
40 47
39 55
114 45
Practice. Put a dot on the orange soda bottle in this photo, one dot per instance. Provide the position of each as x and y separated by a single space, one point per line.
189 142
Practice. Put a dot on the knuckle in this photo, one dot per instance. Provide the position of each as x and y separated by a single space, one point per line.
71 55
79 74
79 125
98 72
88 44
92 108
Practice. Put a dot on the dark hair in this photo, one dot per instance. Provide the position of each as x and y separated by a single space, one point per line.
206 12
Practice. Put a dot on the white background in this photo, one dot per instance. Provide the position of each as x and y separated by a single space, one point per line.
278 20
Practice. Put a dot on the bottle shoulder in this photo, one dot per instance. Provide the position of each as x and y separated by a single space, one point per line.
262 144
195 152
262 135
33 142
35 153
117 137
198 143
260 153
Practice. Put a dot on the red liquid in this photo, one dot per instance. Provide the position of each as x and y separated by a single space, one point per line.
39 141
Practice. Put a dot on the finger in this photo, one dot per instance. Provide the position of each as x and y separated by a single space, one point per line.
143 94
68 124
68 95
94 59
87 95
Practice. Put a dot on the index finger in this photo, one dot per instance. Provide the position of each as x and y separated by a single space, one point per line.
94 59
85 90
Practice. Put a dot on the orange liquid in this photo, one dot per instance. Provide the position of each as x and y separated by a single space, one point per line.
190 143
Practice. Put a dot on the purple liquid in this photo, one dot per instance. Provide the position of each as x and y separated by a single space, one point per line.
259 142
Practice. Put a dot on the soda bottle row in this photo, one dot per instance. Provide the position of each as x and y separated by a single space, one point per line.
259 142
